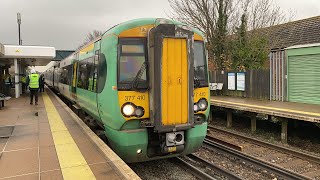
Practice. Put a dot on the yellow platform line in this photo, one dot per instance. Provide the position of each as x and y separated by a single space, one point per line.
72 163
269 108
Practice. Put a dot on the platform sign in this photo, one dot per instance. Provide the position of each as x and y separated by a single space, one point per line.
213 86
231 81
241 77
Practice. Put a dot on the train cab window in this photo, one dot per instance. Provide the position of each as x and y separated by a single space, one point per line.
200 65
132 72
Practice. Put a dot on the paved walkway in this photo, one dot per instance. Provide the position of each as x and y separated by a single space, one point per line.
52 145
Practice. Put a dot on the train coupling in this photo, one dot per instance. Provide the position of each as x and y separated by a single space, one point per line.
174 142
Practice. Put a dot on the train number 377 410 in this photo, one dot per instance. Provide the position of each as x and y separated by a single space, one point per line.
132 98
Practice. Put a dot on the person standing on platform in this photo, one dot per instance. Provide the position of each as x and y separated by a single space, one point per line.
23 81
33 81
41 83
8 84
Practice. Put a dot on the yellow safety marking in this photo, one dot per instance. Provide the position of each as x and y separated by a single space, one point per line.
269 108
72 163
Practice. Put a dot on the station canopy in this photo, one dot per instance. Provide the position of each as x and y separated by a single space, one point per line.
29 55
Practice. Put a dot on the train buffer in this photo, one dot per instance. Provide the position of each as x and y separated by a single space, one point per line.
56 144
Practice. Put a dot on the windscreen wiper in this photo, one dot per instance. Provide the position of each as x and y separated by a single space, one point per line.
196 82
142 69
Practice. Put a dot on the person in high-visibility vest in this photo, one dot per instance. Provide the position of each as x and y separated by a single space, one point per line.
34 84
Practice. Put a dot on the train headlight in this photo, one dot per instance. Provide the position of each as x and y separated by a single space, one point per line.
203 104
196 107
128 110
139 112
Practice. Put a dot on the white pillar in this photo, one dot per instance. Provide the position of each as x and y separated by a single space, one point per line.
20 72
16 78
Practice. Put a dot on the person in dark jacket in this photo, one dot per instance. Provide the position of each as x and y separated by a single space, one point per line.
33 81
41 83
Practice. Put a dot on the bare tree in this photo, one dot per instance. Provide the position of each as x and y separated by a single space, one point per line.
219 18
90 37
264 13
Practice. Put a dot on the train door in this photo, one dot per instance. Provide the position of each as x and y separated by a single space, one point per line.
174 81
74 78
171 77
96 84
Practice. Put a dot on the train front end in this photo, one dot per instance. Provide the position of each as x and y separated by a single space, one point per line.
163 92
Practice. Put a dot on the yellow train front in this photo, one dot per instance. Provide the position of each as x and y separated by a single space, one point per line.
162 90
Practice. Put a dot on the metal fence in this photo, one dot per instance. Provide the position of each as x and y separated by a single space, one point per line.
277 75
257 84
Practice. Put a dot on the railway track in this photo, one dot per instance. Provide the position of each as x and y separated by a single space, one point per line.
207 169
298 154
214 167
193 170
279 171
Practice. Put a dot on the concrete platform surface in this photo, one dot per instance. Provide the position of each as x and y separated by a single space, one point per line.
299 111
56 144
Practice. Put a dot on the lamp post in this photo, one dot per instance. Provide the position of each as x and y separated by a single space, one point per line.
19 23
16 63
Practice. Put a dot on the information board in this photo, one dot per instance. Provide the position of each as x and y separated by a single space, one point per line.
231 81
241 77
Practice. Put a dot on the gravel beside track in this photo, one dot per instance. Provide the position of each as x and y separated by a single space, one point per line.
295 161
234 165
161 169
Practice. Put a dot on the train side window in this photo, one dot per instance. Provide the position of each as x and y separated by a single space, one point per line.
82 75
63 76
69 74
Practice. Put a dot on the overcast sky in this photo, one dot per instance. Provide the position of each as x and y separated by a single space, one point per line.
65 23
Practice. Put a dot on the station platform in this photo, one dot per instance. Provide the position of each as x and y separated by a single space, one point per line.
49 141
283 110
299 111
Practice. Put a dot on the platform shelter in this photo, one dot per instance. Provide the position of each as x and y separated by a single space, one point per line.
21 57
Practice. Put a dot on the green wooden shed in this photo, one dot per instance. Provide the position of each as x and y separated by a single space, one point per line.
303 73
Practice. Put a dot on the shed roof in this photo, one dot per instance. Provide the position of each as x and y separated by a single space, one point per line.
304 46
305 31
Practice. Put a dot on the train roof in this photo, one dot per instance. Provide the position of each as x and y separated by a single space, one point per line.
117 29
144 21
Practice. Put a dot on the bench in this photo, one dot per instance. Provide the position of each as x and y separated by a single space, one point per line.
217 87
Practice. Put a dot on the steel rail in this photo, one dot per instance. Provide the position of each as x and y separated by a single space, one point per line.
214 167
193 170
283 173
301 155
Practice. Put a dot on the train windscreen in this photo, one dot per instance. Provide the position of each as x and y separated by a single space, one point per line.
132 64
200 65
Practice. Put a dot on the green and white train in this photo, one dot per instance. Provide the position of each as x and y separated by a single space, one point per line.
145 83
